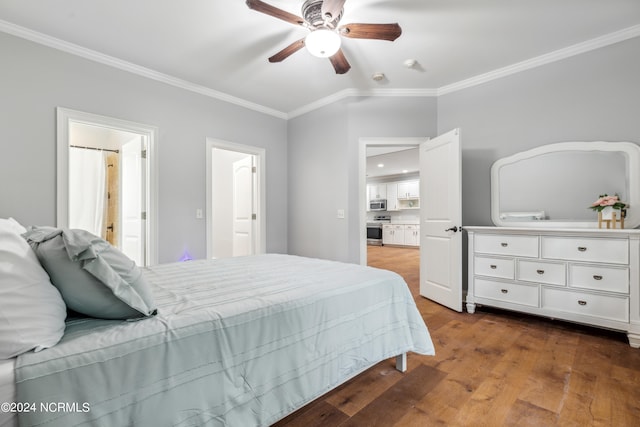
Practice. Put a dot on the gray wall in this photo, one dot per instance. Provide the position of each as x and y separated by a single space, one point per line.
589 97
594 96
37 79
323 167
312 160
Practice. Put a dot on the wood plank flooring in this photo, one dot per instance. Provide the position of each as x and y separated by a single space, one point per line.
491 368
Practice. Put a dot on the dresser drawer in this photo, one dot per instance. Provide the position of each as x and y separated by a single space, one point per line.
507 292
608 307
526 246
600 278
615 251
552 273
494 267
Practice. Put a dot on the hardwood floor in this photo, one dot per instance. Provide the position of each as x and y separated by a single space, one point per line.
492 368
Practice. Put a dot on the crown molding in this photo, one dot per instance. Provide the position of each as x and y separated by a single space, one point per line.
557 55
347 93
538 61
111 61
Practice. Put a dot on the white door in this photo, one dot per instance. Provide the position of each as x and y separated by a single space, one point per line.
133 196
441 220
243 207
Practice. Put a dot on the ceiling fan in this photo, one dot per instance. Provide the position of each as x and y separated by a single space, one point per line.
321 18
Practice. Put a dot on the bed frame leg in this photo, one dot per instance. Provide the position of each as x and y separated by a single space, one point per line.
401 362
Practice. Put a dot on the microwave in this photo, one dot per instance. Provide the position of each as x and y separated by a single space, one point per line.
378 205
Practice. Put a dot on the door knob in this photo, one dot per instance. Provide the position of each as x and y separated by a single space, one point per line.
454 229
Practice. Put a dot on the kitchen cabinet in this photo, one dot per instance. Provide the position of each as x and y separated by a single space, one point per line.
392 196
377 191
393 234
387 234
408 195
589 276
399 195
409 190
401 235
412 235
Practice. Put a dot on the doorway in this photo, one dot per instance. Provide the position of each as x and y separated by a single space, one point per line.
376 143
106 181
440 262
235 199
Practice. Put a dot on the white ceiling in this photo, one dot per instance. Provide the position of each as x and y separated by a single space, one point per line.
85 135
394 161
220 47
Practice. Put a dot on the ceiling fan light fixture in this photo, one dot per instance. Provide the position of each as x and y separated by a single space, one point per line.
322 42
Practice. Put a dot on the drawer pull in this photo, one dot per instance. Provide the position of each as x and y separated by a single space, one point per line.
582 248
540 271
597 277
493 266
581 302
504 291
504 245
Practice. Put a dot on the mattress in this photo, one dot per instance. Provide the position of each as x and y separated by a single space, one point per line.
7 392
239 341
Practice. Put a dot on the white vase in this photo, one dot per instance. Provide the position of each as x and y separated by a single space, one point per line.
607 213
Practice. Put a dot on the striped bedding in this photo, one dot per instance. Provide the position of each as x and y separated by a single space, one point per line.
237 342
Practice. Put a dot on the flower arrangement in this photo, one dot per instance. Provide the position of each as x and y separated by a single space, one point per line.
605 201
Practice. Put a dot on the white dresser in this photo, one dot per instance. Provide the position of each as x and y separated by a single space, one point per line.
589 276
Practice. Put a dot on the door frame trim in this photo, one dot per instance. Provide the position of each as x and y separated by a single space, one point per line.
261 223
362 179
64 117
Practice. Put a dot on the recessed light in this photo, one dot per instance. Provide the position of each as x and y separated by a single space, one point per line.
380 165
404 171
377 76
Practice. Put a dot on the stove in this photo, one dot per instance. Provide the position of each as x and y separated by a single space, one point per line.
374 229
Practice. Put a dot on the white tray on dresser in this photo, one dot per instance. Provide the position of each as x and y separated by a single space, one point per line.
589 276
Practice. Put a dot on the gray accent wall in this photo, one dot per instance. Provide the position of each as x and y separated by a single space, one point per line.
594 96
37 79
588 97
323 167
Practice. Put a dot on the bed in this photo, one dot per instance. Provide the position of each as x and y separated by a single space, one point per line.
235 342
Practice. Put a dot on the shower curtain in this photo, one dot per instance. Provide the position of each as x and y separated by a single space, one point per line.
87 189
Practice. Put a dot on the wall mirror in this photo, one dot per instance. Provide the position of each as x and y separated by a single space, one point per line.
553 185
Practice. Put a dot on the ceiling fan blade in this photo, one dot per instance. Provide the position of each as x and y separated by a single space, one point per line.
371 31
287 51
267 9
332 8
339 62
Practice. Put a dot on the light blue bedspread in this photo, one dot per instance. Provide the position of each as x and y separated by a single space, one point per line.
237 342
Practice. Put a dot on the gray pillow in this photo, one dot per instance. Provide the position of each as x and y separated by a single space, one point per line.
93 277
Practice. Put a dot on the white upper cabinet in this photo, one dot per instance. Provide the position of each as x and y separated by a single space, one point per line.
409 190
392 196
377 191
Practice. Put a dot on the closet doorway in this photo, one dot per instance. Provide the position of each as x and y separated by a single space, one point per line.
105 181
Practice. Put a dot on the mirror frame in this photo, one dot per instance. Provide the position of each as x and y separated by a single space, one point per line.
629 149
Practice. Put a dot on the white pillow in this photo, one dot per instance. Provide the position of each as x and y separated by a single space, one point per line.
32 312
12 224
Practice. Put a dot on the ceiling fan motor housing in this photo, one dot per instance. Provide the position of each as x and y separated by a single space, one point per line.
312 13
